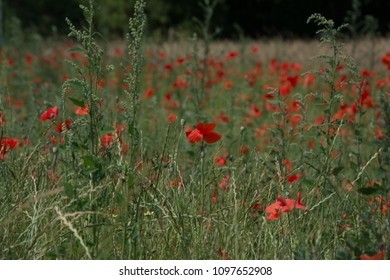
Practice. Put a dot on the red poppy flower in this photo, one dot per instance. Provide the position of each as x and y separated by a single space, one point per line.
29 59
228 84
222 117
293 80
49 114
214 196
319 120
224 184
378 256
295 120
119 128
168 67
118 52
255 49
204 132
254 111
175 183
308 80
59 127
180 60
285 90
172 118
294 178
386 60
232 55
107 139
222 253
284 205
378 132
161 55
7 144
279 206
180 82
273 215
102 83
221 161
82 111
256 208
148 94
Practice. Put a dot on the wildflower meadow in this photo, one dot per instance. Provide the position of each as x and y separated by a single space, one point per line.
201 149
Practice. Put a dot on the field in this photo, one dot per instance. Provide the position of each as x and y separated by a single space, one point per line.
194 150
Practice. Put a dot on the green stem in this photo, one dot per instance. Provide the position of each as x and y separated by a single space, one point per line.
202 187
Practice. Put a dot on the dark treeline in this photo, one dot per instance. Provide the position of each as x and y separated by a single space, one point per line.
251 18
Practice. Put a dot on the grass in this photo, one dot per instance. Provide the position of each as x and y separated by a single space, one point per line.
124 182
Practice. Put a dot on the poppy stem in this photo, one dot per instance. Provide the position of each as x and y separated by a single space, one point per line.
202 187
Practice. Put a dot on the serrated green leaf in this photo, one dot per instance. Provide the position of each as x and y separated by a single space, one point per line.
77 102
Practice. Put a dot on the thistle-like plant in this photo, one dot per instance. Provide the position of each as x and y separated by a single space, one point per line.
329 98
200 62
134 38
329 34
132 78
85 149
85 83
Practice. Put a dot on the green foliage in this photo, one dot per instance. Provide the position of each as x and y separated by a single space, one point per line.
134 40
200 62
85 84
329 35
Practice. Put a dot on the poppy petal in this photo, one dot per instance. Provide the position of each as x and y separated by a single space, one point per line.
273 207
212 137
82 111
299 204
205 128
289 205
378 256
49 114
273 216
195 136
